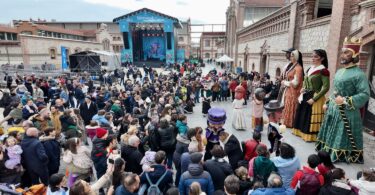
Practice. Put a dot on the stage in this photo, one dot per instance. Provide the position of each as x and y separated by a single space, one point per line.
149 38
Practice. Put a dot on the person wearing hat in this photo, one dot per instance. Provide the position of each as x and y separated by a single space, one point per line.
293 86
285 69
274 112
215 121
239 122
99 151
341 131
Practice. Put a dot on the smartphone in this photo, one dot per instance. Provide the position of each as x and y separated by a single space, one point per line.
111 161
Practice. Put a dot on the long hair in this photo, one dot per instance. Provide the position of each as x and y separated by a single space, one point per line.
334 174
323 55
72 144
326 159
298 56
118 172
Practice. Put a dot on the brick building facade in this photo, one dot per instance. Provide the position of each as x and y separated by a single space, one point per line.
210 44
304 25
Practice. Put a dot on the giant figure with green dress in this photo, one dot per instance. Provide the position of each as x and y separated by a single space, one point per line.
341 131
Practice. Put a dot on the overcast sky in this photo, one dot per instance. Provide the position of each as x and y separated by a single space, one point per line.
200 11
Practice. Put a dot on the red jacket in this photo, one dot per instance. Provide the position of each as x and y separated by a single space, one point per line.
244 84
250 147
232 85
299 175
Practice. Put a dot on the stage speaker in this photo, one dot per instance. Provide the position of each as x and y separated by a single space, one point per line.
169 40
125 36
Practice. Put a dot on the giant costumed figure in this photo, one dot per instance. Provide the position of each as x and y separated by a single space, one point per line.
215 121
239 122
341 132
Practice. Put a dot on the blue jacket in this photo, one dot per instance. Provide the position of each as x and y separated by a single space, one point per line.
159 171
273 191
182 127
286 168
185 161
196 173
101 119
121 190
34 155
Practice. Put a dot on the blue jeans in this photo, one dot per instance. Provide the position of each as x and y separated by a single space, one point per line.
197 96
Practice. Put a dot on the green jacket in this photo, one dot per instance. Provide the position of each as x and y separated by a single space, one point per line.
318 82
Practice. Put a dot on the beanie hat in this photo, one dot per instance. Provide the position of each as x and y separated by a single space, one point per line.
100 132
196 157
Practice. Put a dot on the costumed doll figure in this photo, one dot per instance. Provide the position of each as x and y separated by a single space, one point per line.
239 121
274 112
257 109
341 131
215 121
206 105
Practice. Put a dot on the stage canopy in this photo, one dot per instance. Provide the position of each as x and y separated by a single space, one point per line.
111 60
224 58
92 61
85 61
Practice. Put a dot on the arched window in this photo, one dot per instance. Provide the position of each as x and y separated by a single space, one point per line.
278 72
105 43
52 53
207 55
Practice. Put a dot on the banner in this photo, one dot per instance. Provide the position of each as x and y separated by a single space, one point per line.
180 55
153 47
64 64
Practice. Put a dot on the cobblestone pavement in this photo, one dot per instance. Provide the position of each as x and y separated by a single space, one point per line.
303 149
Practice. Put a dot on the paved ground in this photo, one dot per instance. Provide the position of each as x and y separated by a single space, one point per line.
303 149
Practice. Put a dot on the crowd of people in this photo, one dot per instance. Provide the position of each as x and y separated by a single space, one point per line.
129 133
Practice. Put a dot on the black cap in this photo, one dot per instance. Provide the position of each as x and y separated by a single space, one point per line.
289 50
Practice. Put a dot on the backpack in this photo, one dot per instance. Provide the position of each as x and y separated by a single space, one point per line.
309 184
154 188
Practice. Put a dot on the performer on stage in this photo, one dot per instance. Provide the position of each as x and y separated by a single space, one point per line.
215 121
341 131
239 122
293 84
309 115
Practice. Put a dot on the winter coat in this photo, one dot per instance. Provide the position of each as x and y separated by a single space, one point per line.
34 156
133 158
10 176
185 161
155 175
273 191
88 112
250 149
364 187
182 127
232 148
99 155
263 168
167 138
81 161
337 187
66 121
196 173
219 169
53 150
100 119
286 168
